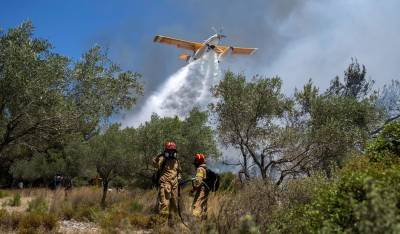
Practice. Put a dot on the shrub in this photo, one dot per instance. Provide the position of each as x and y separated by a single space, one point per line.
34 221
86 213
386 147
9 220
301 191
363 199
257 198
113 220
16 200
227 180
80 182
66 211
27 223
120 219
140 221
88 196
31 221
38 205
248 226
118 182
135 206
3 194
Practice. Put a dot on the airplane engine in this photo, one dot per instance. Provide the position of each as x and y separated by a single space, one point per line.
185 57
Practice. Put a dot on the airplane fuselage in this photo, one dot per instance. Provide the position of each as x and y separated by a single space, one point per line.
208 44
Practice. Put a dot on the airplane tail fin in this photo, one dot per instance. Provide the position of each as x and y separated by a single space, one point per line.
184 56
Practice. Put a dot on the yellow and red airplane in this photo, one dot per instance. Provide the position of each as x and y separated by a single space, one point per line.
199 49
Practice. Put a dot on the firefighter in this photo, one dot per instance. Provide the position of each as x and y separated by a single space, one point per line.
199 189
169 175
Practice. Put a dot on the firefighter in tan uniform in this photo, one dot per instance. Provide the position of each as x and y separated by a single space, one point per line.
199 190
169 175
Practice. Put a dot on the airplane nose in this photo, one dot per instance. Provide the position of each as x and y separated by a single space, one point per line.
221 36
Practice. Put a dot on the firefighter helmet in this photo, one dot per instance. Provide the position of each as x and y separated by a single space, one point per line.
199 158
170 145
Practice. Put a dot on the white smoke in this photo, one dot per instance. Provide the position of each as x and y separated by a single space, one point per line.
187 88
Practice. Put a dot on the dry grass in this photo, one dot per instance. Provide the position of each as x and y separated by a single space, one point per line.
229 212
242 209
30 222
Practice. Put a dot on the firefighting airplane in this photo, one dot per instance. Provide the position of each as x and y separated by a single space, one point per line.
199 49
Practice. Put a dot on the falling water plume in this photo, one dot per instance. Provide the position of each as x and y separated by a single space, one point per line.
185 89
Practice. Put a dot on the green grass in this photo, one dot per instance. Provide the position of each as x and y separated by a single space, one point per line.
38 205
136 206
16 200
4 194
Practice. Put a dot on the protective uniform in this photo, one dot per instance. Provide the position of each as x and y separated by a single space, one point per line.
199 206
168 182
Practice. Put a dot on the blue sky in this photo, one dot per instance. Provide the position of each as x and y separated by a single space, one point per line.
73 26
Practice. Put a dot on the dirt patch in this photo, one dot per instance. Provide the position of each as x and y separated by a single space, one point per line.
74 227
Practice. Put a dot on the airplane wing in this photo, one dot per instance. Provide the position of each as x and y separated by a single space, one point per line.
189 45
235 50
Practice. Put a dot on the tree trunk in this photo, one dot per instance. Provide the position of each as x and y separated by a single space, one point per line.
245 168
264 173
105 189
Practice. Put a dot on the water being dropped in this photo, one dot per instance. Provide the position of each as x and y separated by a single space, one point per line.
188 87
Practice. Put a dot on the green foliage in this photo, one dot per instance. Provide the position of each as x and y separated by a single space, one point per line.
227 180
135 207
355 83
100 88
363 200
86 213
258 198
339 126
306 96
16 200
3 194
67 210
46 100
119 219
247 114
119 182
37 222
192 135
38 205
38 167
81 211
386 147
337 123
248 226
28 223
110 153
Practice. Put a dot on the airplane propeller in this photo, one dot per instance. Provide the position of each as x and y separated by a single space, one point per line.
219 33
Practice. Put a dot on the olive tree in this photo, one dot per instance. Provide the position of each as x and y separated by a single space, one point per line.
191 134
109 153
248 115
46 99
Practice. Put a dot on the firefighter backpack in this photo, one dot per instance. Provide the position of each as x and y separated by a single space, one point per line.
212 180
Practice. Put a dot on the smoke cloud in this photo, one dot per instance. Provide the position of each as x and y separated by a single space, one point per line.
189 87
297 39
